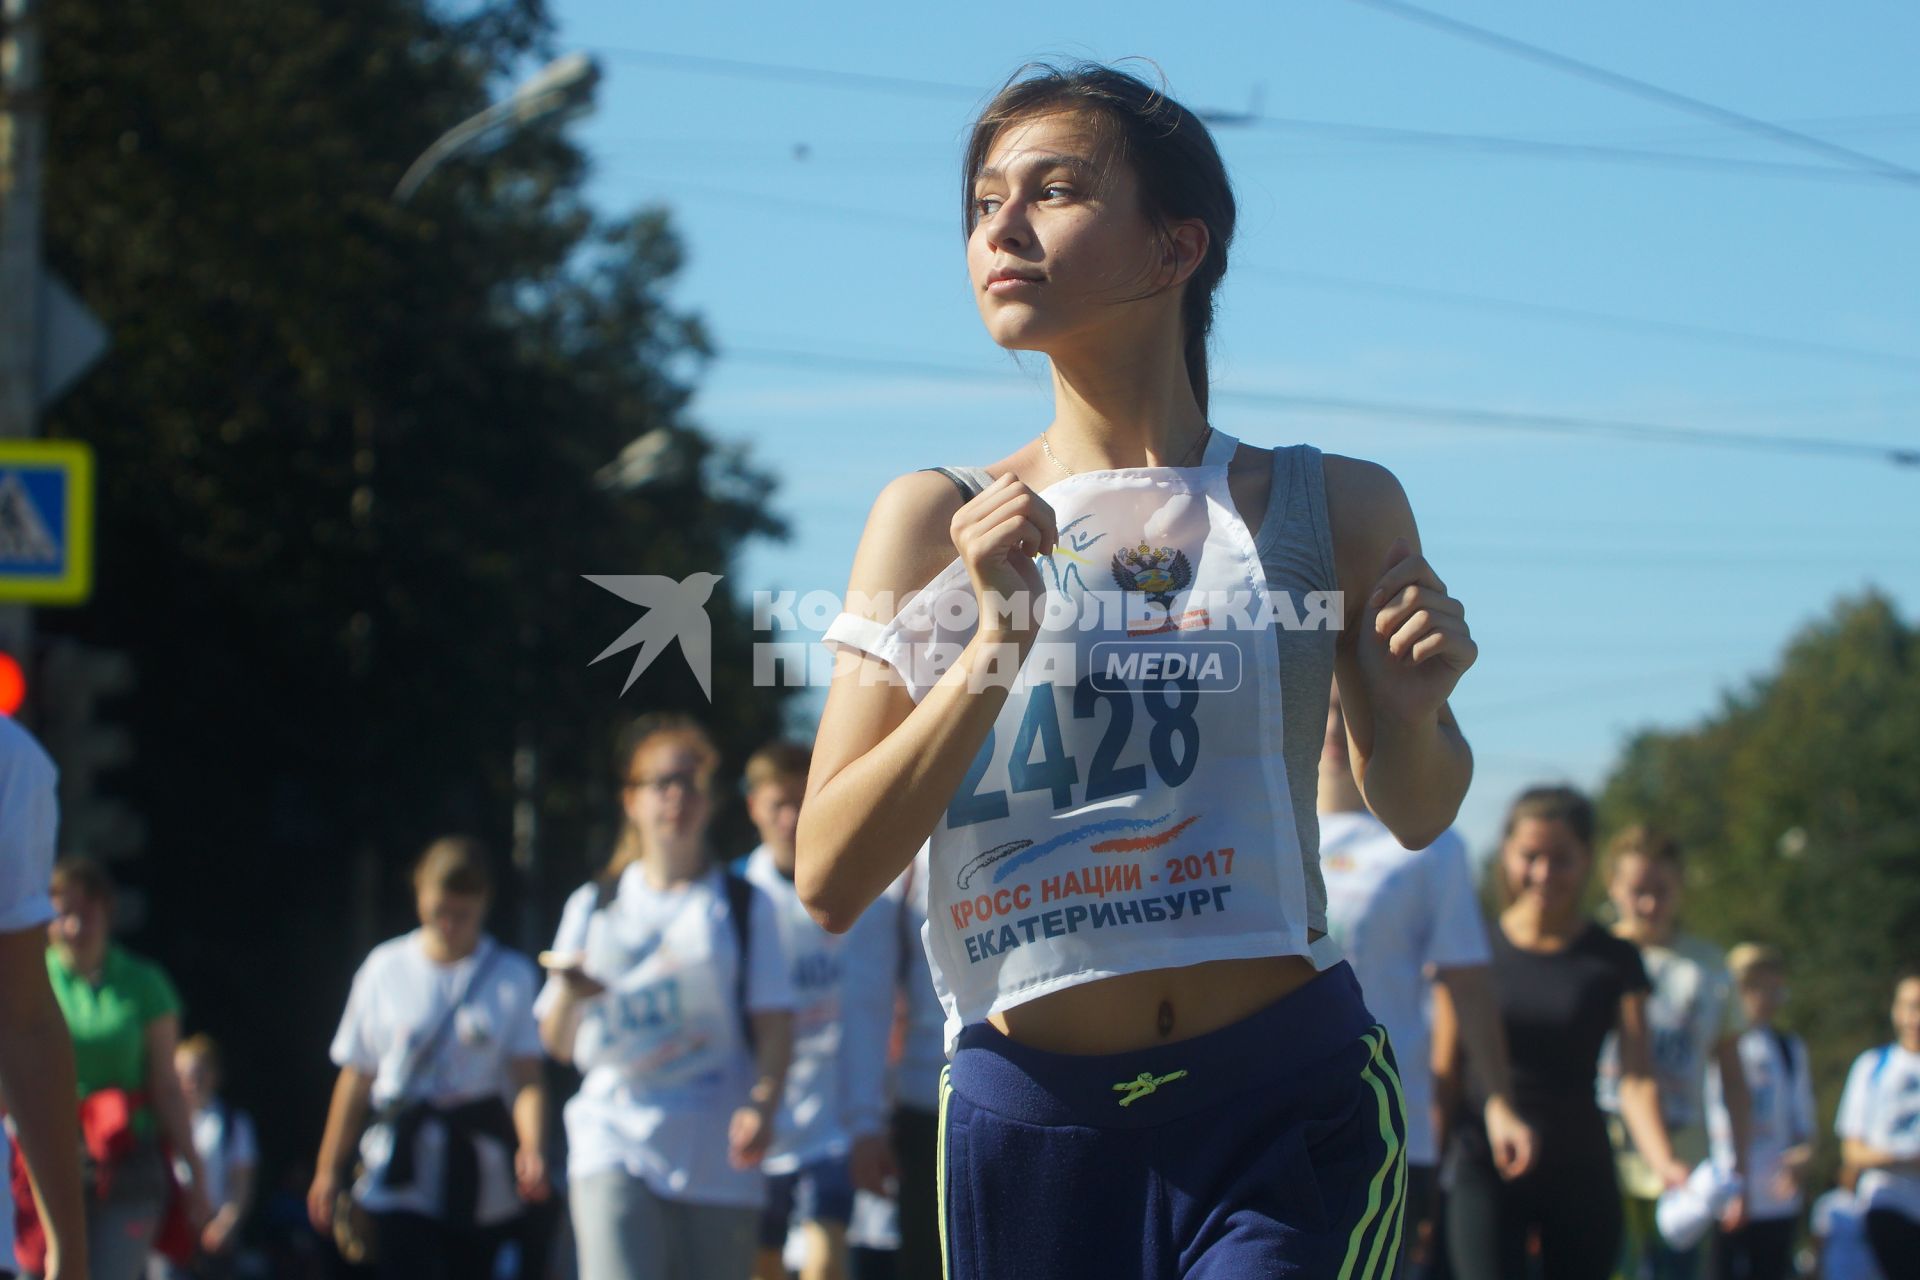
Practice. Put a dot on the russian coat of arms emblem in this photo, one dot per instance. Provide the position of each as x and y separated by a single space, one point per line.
1156 572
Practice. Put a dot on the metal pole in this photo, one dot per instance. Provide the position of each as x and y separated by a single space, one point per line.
22 144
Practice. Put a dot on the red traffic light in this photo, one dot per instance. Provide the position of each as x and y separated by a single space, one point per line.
13 685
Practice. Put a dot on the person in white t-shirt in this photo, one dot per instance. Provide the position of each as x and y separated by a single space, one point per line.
1397 915
1879 1128
439 1042
1779 1082
918 1048
669 990
229 1153
1839 1229
36 1053
1693 1020
836 1085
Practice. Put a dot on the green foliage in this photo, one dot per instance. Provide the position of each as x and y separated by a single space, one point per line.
1798 804
349 465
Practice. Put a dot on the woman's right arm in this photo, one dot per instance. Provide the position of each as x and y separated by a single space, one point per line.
1640 1095
885 768
346 1116
36 1076
560 1020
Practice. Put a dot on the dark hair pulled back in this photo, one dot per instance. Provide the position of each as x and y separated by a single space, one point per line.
1179 170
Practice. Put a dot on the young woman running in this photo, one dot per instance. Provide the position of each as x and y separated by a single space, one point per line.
1150 1075
670 991
1564 985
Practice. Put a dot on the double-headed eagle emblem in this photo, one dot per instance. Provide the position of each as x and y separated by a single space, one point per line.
1156 572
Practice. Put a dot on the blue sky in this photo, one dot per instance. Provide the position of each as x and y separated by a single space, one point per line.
1612 584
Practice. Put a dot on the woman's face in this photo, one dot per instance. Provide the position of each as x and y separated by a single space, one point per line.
455 918
666 794
80 922
1060 238
1546 865
1646 893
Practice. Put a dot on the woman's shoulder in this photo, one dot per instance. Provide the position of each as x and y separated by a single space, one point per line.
908 539
1362 495
581 899
1367 509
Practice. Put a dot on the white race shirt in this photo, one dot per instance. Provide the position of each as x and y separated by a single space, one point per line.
1881 1108
1130 808
663 1051
923 1052
843 1010
398 997
1395 911
1840 1223
225 1140
29 815
1782 1117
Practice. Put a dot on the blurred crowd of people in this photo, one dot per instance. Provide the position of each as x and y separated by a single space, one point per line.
758 1096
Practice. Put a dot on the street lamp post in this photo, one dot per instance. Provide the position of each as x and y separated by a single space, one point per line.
564 86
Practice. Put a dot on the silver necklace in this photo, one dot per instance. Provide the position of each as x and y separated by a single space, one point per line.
1197 440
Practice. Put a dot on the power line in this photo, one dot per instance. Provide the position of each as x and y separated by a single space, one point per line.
1458 415
1382 288
1581 315
1505 144
789 73
1568 424
1644 89
1491 144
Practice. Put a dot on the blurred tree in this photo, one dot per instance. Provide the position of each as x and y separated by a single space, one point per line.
352 465
1798 803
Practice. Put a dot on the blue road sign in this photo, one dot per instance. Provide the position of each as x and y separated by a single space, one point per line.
46 521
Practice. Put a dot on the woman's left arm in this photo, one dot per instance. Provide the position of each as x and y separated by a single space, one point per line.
526 1075
1403 647
170 1106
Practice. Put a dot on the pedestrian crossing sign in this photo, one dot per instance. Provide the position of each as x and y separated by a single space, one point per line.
46 521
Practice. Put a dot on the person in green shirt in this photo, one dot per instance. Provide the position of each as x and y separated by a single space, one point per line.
124 1017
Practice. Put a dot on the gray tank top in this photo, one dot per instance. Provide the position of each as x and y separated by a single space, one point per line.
1295 544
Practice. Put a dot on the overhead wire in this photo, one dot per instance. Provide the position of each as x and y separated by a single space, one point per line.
1492 144
1736 120
1458 415
1380 288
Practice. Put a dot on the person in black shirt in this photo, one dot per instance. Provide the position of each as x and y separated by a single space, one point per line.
1564 983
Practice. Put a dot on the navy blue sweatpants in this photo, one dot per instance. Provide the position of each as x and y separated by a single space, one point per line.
1273 1147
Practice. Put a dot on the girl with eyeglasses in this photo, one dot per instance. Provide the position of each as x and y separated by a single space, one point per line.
669 991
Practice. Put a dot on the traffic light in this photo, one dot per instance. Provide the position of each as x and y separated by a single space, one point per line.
72 681
13 684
